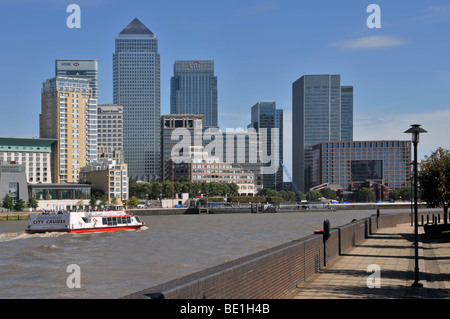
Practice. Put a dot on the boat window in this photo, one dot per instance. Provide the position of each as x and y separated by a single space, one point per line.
128 220
105 221
137 219
85 219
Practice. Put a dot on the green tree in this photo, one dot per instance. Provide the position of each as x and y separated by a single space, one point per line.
205 188
93 201
33 203
267 192
394 194
177 187
233 189
103 201
8 202
155 190
288 196
328 193
80 204
365 194
434 180
114 201
20 204
166 189
132 202
405 193
313 195
195 190
186 187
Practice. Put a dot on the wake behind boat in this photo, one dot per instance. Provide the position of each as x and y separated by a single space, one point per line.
83 221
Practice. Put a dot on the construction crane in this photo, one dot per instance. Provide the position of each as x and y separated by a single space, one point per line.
292 181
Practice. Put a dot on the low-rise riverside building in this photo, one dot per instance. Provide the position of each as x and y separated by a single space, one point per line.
35 154
202 168
13 181
64 196
107 176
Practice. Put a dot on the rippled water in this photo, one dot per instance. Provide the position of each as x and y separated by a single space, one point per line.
116 264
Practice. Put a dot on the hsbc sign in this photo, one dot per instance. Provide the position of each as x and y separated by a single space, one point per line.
69 64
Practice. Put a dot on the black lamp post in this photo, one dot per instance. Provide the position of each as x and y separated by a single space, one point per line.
415 130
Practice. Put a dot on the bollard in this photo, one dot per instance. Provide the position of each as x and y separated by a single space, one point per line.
428 219
422 220
326 236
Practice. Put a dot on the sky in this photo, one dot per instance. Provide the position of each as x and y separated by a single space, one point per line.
400 72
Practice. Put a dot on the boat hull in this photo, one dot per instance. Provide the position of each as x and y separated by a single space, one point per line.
84 230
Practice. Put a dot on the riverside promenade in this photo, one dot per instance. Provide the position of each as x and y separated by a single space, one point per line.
351 275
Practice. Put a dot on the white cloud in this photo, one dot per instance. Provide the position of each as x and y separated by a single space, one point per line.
369 43
437 12
391 127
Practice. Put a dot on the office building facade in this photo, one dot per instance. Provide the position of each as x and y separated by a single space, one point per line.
193 90
69 115
203 168
136 86
344 163
267 120
169 123
110 132
244 149
318 115
82 69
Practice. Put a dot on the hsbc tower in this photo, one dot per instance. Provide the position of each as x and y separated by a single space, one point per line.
84 69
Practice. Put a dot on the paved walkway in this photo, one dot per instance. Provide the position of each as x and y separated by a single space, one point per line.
392 249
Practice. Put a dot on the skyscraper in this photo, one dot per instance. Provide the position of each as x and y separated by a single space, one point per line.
193 90
69 115
264 118
83 69
322 111
136 86
347 113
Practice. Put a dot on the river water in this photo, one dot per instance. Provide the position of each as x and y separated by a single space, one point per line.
113 265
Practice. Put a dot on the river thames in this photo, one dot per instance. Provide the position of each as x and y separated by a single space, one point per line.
113 265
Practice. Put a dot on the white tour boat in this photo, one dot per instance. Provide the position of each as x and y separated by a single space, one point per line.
112 219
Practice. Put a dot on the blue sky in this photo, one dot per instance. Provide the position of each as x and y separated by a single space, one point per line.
400 72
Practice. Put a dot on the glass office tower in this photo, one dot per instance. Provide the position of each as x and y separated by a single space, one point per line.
193 90
80 69
347 113
264 115
136 86
319 114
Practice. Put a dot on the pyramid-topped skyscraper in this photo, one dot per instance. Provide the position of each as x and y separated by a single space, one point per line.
136 27
136 86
